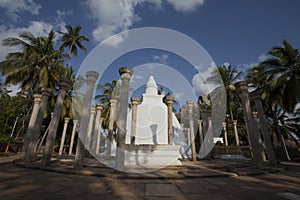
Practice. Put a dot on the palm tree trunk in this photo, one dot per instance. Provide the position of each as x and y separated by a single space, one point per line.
284 151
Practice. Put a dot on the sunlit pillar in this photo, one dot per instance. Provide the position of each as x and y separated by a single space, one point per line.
75 123
125 73
134 103
252 128
190 105
91 77
63 137
170 101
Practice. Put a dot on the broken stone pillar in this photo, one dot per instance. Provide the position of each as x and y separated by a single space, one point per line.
225 134
237 140
64 86
91 77
98 125
28 145
125 73
75 123
134 103
201 138
170 101
252 128
190 105
113 107
255 117
99 137
88 139
203 112
256 96
62 142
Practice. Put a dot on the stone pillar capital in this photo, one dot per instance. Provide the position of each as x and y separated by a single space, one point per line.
200 121
234 122
202 107
99 106
113 102
190 104
75 121
170 99
93 109
124 70
125 73
134 100
241 86
64 83
67 119
91 77
47 92
37 98
255 114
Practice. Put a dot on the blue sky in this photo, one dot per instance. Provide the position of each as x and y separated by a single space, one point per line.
231 31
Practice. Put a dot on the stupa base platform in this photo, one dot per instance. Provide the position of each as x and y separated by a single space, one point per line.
152 155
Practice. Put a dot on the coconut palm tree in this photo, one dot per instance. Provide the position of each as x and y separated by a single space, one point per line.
109 91
37 65
72 40
282 71
228 75
279 78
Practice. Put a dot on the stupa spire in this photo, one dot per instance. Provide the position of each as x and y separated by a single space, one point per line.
151 87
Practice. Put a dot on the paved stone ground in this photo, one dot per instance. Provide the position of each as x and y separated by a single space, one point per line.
26 183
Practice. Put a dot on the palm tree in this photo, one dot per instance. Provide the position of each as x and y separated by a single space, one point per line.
109 91
228 75
282 71
71 40
37 65
279 78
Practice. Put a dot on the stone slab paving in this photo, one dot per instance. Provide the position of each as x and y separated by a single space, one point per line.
27 183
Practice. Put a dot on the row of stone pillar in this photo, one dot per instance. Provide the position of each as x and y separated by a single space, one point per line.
251 125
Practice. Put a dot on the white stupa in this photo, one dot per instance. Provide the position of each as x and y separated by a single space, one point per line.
152 125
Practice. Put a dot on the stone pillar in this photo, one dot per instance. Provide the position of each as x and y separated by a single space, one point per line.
256 96
75 123
63 137
90 129
125 73
170 101
134 103
237 140
255 117
46 92
201 138
64 86
252 128
29 137
203 113
113 107
99 137
97 132
91 77
190 105
225 134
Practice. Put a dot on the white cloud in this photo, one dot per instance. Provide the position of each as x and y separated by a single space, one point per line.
186 5
37 28
135 78
179 95
261 58
13 8
163 58
200 83
113 17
